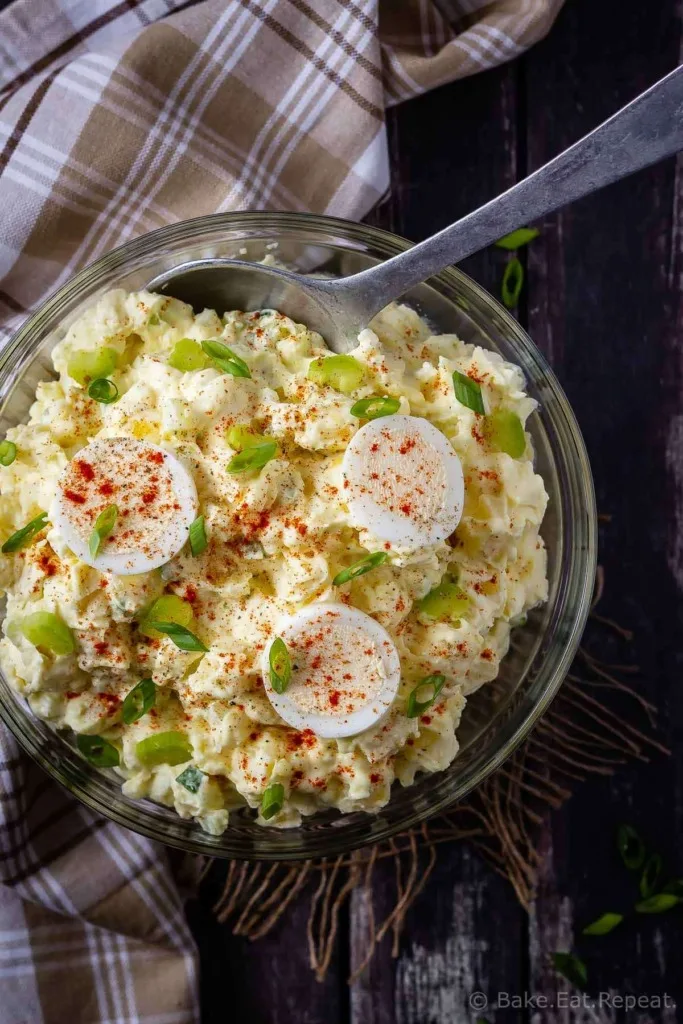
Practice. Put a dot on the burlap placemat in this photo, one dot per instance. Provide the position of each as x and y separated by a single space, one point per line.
117 117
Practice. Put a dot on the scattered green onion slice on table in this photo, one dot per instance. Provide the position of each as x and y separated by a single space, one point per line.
104 524
375 407
103 391
225 359
85 366
187 355
658 904
468 392
604 924
180 636
8 453
343 373
504 432
191 779
163 748
513 280
280 665
167 608
98 751
45 629
516 239
631 847
139 701
445 603
25 535
198 540
571 968
360 567
272 800
418 707
254 457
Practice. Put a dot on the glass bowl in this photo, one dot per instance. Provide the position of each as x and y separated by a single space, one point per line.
499 715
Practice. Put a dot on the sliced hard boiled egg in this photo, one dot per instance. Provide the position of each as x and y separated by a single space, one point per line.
155 498
345 671
403 482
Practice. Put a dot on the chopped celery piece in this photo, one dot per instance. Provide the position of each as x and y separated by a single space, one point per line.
45 629
85 366
8 453
504 432
167 608
343 373
241 436
187 355
163 748
445 603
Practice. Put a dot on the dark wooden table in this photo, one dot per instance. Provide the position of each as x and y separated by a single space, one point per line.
604 302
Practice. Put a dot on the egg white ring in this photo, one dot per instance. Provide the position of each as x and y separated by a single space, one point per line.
379 520
133 563
337 726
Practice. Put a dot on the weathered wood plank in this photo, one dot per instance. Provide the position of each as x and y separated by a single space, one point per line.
604 304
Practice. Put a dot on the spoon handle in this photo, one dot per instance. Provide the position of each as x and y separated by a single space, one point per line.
641 133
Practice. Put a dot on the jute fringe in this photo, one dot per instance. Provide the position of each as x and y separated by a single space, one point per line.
580 735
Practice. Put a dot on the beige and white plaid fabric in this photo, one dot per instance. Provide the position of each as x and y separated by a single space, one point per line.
117 117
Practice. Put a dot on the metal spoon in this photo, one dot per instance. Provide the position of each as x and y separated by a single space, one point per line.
641 133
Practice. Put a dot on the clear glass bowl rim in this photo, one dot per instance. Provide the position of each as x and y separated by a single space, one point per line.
581 572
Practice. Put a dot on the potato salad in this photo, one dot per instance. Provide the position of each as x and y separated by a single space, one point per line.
242 571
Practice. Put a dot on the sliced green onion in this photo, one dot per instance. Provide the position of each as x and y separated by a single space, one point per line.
343 373
254 457
280 665
658 904
513 280
649 880
45 629
98 751
163 748
25 535
504 432
139 701
167 608
360 567
571 968
198 540
417 707
604 924
180 636
631 847
445 603
85 366
104 524
191 779
373 408
8 453
103 391
153 320
516 239
187 355
226 359
468 392
272 800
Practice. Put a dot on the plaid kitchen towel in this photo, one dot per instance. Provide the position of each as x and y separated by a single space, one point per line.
117 117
